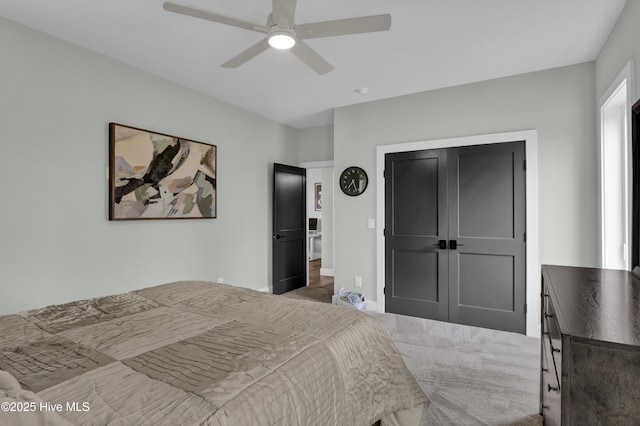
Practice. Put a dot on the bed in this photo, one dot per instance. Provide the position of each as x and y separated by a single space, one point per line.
201 353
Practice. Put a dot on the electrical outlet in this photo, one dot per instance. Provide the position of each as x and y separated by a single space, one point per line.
220 280
357 281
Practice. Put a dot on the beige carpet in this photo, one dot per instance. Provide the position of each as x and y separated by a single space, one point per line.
473 376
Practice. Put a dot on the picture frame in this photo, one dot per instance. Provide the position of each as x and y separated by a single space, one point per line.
318 196
159 176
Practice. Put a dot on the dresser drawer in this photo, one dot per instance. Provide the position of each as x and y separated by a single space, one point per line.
550 392
553 338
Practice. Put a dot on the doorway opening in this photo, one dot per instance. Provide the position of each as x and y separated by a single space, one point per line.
320 217
615 174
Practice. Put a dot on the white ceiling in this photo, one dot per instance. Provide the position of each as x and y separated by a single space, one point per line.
431 44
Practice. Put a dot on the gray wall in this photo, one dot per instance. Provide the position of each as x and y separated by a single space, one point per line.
327 217
313 176
558 103
622 46
315 144
56 100
56 243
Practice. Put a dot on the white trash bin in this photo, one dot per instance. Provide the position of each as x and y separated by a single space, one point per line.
350 298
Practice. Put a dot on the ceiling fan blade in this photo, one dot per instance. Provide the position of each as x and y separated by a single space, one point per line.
364 24
309 56
247 54
210 16
284 9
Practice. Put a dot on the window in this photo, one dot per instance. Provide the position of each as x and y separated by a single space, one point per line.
616 174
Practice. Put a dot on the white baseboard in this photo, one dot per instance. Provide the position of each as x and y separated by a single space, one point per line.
534 331
264 289
327 272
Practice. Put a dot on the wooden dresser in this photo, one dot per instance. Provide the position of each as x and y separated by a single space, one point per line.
590 347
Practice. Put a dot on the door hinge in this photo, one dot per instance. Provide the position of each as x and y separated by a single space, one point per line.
525 308
524 237
384 232
384 290
384 173
524 164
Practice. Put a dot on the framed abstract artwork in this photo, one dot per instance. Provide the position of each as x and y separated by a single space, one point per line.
158 176
318 197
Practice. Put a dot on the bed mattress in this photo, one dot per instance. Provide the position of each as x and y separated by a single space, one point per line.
201 353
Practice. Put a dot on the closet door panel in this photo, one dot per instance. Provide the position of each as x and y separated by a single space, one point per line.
487 223
416 220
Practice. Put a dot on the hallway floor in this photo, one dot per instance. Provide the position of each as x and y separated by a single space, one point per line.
315 279
320 287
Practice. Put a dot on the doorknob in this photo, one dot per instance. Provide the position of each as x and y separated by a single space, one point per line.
441 244
277 237
453 244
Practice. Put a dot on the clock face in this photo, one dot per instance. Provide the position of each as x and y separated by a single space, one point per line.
353 181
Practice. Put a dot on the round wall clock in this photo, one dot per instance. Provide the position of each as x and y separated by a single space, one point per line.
353 181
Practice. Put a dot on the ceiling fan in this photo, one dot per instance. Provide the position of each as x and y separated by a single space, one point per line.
282 33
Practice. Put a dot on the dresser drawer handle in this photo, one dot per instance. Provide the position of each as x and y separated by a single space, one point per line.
551 388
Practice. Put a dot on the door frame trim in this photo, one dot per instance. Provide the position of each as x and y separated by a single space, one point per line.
323 165
532 279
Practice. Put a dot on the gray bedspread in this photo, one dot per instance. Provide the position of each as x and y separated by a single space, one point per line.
200 353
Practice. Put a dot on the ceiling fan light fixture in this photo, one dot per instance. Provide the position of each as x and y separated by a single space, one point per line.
280 39
282 33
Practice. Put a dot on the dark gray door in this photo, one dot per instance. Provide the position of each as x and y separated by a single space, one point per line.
416 222
289 228
487 226
455 223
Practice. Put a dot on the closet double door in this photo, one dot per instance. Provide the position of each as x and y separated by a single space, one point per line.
455 235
